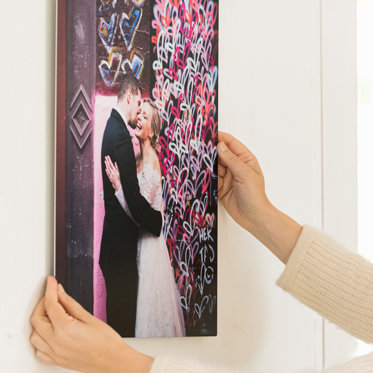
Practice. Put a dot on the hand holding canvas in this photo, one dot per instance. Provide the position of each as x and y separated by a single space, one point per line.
241 183
65 334
241 189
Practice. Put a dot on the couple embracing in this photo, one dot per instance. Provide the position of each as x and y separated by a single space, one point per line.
142 297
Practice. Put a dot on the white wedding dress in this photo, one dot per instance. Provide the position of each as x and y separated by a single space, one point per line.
159 312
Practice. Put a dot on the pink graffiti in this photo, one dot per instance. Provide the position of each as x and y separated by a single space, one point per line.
185 44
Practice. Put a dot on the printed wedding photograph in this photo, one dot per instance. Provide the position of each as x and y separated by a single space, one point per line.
136 163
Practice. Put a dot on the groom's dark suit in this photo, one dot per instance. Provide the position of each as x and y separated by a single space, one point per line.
120 234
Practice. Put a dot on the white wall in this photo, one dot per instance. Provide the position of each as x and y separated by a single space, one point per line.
286 90
365 134
339 119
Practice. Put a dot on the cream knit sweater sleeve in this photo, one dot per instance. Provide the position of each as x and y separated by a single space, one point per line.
332 281
327 278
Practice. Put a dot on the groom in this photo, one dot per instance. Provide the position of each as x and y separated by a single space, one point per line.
120 233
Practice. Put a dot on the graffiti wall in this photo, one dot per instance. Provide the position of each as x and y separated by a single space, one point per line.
123 42
172 47
185 67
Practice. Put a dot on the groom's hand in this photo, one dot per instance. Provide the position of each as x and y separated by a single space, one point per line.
65 334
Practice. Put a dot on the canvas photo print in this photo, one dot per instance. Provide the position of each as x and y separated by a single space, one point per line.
136 163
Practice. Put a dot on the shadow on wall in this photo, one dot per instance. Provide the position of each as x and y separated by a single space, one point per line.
242 306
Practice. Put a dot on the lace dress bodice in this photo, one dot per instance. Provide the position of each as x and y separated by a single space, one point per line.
150 186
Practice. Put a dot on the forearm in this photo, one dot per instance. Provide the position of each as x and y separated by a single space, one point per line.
333 281
144 214
275 230
122 200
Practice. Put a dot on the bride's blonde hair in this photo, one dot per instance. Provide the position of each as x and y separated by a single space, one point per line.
155 123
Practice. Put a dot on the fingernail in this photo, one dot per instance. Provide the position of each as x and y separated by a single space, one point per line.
61 289
223 147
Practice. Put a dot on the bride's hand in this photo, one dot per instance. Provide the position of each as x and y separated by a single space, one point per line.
113 173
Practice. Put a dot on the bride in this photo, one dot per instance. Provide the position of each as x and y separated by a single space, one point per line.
159 312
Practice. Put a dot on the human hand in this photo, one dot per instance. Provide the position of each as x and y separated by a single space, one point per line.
66 335
241 189
241 185
113 173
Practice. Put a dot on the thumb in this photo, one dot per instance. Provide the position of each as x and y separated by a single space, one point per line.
230 160
71 306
